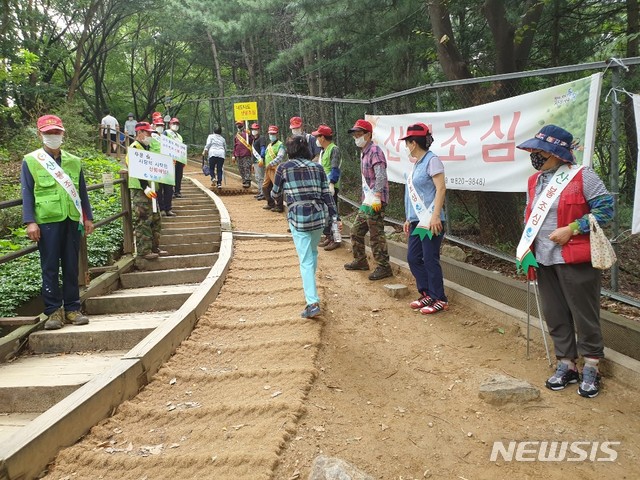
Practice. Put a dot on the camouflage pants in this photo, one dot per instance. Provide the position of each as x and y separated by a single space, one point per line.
146 224
374 224
244 166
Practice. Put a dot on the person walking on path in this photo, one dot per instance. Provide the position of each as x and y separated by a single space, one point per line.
215 151
309 202
146 223
331 163
57 212
560 197
423 204
242 153
259 147
274 156
130 126
375 195
172 133
110 130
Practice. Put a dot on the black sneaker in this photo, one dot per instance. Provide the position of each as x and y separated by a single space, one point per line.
357 265
590 385
381 272
563 377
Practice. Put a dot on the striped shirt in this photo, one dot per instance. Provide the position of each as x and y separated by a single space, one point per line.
374 170
306 190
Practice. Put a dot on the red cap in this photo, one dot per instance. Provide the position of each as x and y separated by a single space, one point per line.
158 121
273 129
144 127
174 120
240 123
416 130
156 114
323 130
255 126
49 122
295 122
361 125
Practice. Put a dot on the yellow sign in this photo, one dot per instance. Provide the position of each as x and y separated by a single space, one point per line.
245 111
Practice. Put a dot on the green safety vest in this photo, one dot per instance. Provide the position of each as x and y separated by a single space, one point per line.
174 136
272 152
325 161
134 182
52 202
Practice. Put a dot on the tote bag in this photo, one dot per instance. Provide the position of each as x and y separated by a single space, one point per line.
205 166
602 254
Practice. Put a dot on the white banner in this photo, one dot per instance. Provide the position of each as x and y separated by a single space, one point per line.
175 149
478 144
635 224
150 166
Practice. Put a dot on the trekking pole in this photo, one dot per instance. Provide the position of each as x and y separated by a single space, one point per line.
544 336
528 315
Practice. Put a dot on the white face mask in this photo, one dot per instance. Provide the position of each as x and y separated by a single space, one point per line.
360 141
273 138
255 132
318 143
296 131
159 129
145 140
52 141
175 128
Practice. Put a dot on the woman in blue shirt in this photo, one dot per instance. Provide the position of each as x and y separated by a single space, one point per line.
423 203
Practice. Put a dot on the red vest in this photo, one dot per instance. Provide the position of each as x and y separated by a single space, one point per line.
571 206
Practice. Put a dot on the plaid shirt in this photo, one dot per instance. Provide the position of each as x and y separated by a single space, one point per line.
307 194
371 156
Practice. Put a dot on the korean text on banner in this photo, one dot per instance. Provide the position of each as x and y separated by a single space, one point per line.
245 111
635 224
478 144
173 148
150 166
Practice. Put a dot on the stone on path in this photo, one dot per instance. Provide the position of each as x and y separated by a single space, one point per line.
500 389
454 252
396 290
331 468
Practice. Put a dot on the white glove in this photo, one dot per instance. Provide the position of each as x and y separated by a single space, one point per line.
332 188
150 193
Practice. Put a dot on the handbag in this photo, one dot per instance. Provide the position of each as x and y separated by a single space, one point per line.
603 256
205 167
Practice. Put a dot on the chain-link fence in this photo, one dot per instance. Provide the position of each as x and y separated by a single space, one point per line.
614 156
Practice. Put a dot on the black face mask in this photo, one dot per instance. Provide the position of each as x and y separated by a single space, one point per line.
537 160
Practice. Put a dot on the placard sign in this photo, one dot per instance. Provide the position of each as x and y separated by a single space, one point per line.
173 148
150 166
245 111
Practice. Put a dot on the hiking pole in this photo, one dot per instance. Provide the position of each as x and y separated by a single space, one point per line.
544 336
528 314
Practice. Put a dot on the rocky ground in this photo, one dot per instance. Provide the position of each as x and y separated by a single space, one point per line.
259 393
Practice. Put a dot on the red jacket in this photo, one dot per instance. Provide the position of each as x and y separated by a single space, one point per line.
239 150
571 206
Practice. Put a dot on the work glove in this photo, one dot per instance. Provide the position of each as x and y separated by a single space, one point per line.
332 188
150 192
376 204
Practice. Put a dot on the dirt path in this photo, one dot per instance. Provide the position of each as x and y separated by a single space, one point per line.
395 392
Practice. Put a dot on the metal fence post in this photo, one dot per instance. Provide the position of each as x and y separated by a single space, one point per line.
127 220
615 167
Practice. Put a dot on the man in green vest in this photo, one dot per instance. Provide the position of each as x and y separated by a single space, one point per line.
146 223
274 155
56 209
331 162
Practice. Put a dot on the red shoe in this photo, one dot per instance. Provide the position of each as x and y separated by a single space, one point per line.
435 307
424 301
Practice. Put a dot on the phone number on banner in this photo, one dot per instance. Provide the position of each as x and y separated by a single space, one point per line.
472 181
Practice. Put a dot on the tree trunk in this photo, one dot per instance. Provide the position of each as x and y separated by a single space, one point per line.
73 85
248 61
216 63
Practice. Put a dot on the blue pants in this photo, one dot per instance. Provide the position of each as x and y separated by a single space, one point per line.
215 167
424 261
307 247
179 175
165 196
59 245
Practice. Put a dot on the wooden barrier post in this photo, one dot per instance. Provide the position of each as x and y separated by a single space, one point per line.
127 220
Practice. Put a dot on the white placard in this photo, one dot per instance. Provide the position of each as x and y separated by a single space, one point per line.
173 148
107 180
150 166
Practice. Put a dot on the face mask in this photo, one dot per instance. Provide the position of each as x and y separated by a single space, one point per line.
255 133
318 143
360 141
537 160
145 141
410 152
273 138
175 128
296 131
159 129
52 141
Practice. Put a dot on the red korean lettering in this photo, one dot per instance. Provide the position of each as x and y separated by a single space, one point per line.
455 140
392 145
505 150
551 192
535 219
